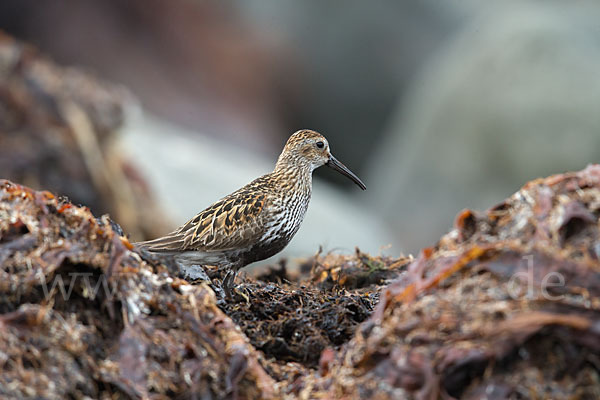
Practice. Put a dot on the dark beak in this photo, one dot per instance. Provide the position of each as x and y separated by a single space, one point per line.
333 163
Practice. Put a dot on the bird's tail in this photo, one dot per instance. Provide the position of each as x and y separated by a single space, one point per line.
171 242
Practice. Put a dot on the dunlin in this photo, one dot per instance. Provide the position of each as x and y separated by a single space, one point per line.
258 220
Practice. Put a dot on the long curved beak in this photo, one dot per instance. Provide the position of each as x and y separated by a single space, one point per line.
333 163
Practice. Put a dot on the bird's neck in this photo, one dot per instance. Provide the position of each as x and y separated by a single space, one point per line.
298 173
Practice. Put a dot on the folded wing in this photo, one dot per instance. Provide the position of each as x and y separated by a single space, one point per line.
236 221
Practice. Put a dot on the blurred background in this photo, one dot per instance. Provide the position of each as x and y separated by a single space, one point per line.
155 109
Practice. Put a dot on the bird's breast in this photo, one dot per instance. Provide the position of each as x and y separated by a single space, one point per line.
285 218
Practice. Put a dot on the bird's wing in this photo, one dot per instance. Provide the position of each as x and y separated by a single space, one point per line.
235 221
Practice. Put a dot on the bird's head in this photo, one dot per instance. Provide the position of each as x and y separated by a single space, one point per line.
310 149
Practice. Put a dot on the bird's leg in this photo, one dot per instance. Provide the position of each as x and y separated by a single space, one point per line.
228 282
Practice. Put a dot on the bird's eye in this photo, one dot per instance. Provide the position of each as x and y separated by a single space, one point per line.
320 144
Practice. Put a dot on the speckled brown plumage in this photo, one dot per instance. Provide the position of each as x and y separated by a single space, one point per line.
258 220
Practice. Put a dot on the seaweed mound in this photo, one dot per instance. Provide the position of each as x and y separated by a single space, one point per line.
296 319
82 315
506 305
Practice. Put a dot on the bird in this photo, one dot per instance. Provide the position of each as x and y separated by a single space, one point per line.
256 221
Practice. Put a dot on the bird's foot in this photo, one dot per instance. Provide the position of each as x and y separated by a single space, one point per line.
228 292
235 294
244 294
